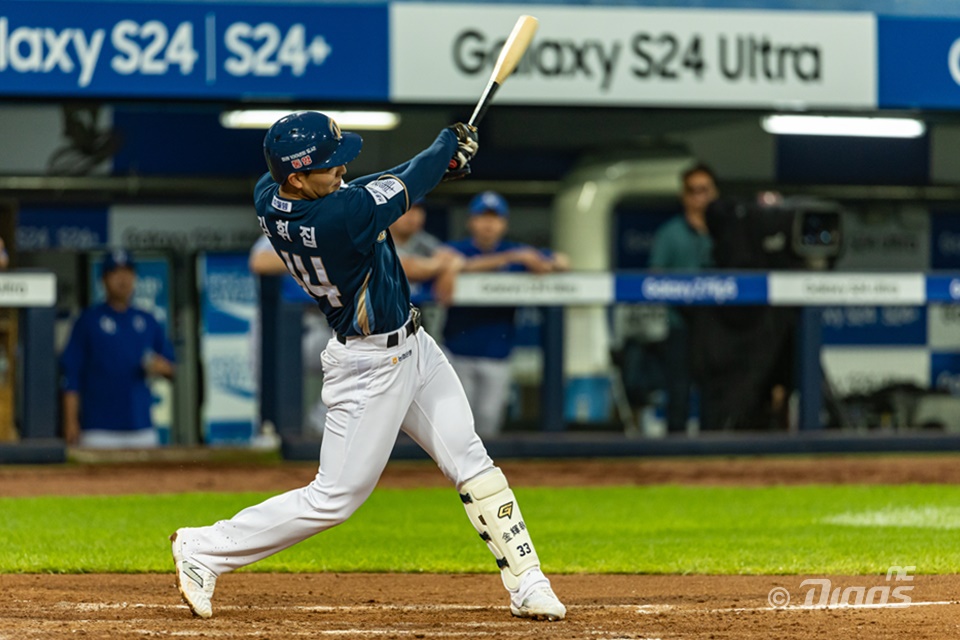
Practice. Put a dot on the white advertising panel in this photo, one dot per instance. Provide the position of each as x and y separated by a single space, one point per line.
28 289
528 289
183 227
787 288
637 56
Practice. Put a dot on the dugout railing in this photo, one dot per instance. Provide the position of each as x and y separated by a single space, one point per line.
282 307
281 400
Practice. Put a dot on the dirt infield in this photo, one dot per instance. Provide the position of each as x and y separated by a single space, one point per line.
275 606
268 606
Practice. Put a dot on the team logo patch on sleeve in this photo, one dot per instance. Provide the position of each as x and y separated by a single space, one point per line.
384 189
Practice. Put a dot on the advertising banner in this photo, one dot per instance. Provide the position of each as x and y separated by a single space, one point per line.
481 289
193 50
183 227
637 56
788 288
918 62
228 305
28 289
77 228
708 289
872 325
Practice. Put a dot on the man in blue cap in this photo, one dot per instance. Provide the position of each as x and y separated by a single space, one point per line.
480 339
113 350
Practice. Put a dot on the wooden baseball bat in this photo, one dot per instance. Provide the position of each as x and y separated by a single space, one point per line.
513 49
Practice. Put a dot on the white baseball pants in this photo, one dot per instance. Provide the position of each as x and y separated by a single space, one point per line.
486 381
371 390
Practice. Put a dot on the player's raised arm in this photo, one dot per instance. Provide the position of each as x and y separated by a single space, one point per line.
420 175
365 180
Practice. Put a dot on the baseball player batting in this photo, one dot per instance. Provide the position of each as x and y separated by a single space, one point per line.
381 373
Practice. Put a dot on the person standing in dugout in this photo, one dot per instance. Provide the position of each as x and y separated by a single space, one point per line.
381 373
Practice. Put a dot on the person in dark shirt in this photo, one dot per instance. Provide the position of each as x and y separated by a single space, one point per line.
684 244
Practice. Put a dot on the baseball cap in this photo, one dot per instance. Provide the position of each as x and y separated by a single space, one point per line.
117 259
489 201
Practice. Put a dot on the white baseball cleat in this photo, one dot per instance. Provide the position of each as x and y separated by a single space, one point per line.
195 583
540 604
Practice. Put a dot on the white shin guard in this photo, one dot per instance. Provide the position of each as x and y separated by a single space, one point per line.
494 513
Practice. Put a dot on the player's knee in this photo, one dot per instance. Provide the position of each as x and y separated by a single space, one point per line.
485 484
337 504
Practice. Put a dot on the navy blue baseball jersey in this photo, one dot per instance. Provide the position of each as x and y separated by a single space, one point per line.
338 247
482 332
104 361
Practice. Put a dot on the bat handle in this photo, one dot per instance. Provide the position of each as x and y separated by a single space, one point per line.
484 103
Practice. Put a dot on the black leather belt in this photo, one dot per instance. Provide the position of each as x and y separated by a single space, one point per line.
412 326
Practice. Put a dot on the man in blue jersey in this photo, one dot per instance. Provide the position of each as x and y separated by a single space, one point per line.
381 373
113 349
480 339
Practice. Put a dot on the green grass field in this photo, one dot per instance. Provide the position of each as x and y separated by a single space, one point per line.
659 529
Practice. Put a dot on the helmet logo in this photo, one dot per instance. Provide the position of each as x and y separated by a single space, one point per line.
298 163
334 128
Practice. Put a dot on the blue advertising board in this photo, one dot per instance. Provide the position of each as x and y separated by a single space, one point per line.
715 288
77 228
228 305
195 50
873 325
918 62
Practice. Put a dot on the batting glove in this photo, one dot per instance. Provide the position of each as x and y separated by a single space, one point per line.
456 174
468 143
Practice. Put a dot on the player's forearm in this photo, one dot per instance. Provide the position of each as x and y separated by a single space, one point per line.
365 180
425 170
444 285
267 263
492 262
561 262
418 268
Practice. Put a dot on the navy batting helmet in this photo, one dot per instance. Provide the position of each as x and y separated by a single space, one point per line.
307 140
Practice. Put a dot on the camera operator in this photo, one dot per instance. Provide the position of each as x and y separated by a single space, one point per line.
749 358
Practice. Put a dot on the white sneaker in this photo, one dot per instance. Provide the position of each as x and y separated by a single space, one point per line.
540 604
195 583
